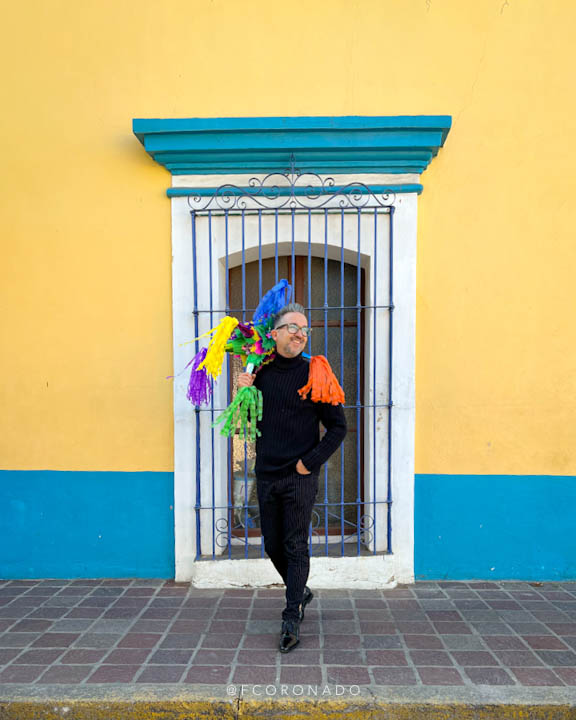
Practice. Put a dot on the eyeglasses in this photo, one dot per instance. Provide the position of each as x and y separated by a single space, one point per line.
293 329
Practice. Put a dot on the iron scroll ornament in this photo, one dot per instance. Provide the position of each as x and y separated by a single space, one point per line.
292 191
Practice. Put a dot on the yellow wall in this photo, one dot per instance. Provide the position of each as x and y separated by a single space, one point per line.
86 264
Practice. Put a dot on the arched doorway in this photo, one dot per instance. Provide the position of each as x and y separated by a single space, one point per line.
328 289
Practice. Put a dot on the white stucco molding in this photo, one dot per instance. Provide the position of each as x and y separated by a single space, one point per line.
332 572
388 152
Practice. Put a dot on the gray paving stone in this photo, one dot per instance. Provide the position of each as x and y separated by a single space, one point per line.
171 657
557 657
465 605
65 674
140 640
428 592
492 628
263 626
347 675
516 616
181 640
530 628
305 675
408 616
436 604
254 674
50 613
463 642
61 601
111 626
82 656
71 625
395 658
97 640
32 625
517 658
21 673
161 674
423 642
489 676
468 658
8 654
14 640
114 674
209 674
268 656
480 615
394 676
112 592
343 657
430 657
536 676
382 641
223 640
38 656
440 676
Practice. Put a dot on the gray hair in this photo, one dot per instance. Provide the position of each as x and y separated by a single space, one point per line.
291 307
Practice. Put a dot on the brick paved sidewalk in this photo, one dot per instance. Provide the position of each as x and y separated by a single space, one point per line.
94 633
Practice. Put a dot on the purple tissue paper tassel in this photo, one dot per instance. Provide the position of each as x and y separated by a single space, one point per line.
246 330
275 298
199 386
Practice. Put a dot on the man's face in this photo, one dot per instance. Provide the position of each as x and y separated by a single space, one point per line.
289 345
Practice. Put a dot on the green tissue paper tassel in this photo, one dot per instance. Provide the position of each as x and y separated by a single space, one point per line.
243 412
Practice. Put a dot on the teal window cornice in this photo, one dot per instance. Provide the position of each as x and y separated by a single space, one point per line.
354 144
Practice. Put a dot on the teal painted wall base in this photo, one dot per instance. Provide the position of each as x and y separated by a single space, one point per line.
97 524
495 527
86 524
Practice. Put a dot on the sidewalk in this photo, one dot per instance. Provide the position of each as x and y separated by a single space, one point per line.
150 648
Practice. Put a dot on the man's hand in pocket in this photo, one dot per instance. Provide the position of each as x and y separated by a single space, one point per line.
301 468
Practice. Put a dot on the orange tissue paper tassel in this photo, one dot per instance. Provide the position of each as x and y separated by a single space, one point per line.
322 382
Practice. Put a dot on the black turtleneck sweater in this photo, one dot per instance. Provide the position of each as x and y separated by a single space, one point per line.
290 426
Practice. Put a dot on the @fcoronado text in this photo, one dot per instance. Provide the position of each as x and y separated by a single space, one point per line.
293 690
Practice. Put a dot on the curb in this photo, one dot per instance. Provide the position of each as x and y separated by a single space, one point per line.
207 703
278 710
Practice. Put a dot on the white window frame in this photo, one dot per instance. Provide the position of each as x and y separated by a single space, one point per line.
379 570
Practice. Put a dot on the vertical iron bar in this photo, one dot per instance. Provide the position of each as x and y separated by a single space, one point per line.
309 261
310 319
259 296
358 341
276 247
374 355
212 396
230 517
245 443
293 259
259 253
390 399
326 356
342 506
198 503
243 268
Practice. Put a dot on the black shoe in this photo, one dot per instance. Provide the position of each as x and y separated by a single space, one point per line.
307 598
290 635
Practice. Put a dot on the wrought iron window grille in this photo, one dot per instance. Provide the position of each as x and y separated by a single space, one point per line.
347 516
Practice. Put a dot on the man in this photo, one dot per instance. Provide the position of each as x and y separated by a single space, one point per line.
289 454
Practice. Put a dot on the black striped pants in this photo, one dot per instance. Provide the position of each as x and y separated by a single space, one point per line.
285 512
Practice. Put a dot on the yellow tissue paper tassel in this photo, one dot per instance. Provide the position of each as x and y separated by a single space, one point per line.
215 353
